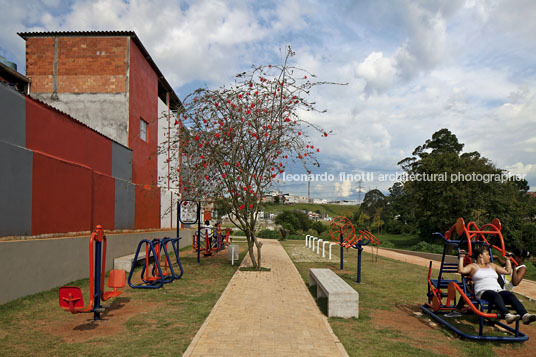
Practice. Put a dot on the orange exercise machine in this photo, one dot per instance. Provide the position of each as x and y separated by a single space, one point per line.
71 297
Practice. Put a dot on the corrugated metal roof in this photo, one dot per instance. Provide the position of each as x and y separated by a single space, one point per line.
15 77
163 85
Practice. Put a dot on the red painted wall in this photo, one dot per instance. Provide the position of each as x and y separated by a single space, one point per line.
52 132
147 212
72 186
103 200
143 103
61 196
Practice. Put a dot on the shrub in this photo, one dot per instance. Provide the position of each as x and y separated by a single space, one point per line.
293 221
428 247
319 227
387 244
269 234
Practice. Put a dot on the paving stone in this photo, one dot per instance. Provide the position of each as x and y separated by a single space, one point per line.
266 314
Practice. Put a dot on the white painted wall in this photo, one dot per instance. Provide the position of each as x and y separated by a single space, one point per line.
168 197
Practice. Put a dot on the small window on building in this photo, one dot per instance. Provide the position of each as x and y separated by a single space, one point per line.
143 130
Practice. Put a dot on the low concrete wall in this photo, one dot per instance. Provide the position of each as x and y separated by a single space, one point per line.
32 266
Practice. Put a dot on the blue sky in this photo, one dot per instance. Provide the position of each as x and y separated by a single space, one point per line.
412 68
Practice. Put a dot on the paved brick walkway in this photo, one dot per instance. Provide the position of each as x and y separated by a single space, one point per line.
266 314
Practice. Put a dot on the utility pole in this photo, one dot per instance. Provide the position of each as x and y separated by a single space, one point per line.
309 189
359 191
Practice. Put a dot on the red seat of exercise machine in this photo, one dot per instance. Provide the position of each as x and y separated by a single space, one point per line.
71 296
116 279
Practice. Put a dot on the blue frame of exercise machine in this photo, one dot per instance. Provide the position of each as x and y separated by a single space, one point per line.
155 284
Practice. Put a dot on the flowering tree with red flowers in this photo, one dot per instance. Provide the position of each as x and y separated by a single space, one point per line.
235 140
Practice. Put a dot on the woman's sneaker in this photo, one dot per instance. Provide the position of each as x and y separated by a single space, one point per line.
511 317
454 313
528 318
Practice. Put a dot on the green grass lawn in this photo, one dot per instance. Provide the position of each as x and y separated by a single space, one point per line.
390 322
140 322
398 241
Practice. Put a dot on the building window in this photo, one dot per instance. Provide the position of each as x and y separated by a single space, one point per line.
143 129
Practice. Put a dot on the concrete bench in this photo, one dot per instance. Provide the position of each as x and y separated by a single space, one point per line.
343 300
125 262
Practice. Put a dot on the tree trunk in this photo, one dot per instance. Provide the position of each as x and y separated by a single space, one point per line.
251 243
259 246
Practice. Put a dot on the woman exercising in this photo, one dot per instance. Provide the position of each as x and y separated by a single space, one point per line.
484 275
518 272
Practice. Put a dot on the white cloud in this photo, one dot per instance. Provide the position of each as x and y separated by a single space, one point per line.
343 188
423 46
378 71
412 68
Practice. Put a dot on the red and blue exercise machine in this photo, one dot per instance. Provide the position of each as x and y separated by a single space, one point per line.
443 292
213 241
343 233
71 297
154 276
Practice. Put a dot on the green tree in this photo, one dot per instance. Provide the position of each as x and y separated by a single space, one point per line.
319 227
373 200
377 222
293 221
363 221
433 203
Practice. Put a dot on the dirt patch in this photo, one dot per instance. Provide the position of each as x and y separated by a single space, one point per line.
303 254
526 348
81 327
406 319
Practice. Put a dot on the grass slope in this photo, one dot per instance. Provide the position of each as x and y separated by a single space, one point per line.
390 323
150 322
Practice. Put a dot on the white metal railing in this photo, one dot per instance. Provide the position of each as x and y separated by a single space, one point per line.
324 248
331 245
318 246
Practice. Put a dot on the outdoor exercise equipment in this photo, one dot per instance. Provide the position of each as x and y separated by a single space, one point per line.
71 297
189 212
214 240
373 240
152 276
442 292
342 231
156 275
361 240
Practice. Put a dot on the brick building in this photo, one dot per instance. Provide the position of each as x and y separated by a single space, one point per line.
94 105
